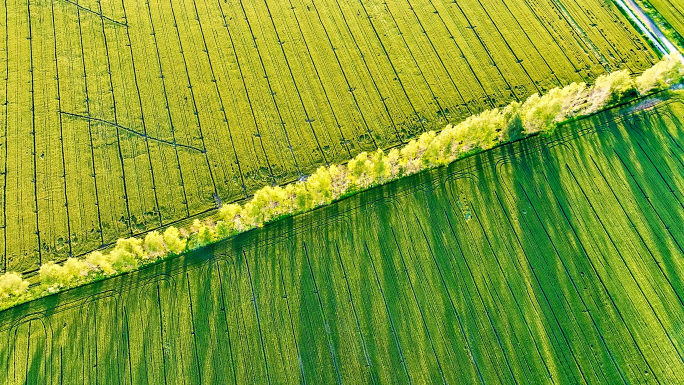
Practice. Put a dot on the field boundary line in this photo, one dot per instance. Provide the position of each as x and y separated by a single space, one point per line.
6 107
33 134
430 151
61 131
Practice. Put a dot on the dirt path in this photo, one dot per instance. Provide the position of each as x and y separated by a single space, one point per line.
647 26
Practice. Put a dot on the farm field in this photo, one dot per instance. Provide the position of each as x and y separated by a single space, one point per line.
550 260
120 117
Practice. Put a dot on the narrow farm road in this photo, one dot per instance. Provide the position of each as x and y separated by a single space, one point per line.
648 26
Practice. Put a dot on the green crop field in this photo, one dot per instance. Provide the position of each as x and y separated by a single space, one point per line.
119 117
551 260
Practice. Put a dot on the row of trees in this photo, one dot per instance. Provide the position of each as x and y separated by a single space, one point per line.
477 133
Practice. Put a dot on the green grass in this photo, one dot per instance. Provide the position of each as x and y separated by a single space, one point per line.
551 260
120 117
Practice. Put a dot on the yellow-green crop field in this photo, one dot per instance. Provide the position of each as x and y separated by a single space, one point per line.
552 260
120 117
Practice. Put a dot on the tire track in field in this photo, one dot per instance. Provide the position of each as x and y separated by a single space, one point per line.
249 99
422 73
346 78
33 134
220 98
256 311
308 120
389 60
486 50
142 113
61 131
118 132
6 127
325 92
436 52
96 13
270 87
389 315
194 101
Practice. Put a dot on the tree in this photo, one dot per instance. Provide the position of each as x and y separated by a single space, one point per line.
303 197
230 220
511 123
155 246
319 186
174 242
541 113
52 275
338 181
394 161
100 262
124 257
12 284
608 89
204 234
665 73
380 167
358 171
76 269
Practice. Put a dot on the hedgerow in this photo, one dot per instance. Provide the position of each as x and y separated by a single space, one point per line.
538 114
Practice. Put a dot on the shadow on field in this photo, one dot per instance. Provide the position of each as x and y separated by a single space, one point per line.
550 260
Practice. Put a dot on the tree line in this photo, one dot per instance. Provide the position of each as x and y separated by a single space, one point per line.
538 114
